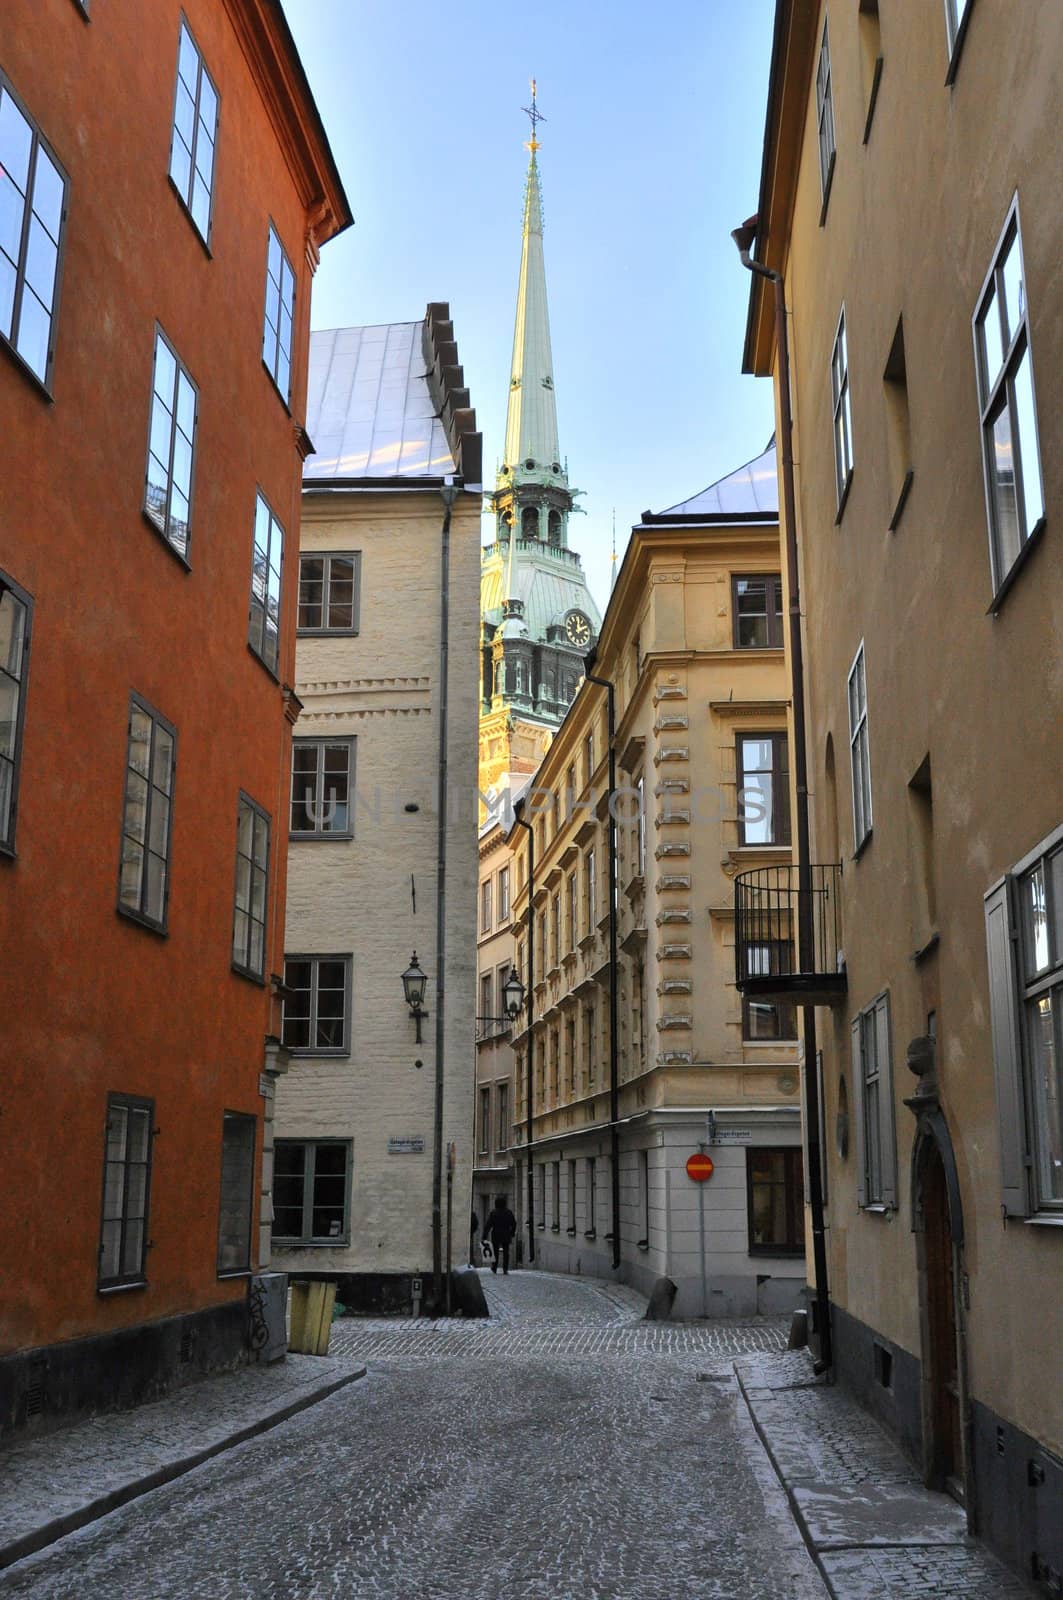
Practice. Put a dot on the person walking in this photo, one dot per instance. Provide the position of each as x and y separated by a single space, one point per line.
500 1227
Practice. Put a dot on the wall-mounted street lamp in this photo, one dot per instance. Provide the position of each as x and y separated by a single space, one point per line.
512 1002
414 983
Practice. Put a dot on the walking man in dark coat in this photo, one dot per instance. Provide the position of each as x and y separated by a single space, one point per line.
500 1227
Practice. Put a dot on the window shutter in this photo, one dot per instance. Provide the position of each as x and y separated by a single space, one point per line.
1007 1056
858 1147
888 1130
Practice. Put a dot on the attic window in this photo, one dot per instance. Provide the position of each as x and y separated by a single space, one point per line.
529 464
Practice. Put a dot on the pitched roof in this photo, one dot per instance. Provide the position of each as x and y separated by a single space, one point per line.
751 490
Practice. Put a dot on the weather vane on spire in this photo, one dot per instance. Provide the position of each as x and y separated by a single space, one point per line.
536 117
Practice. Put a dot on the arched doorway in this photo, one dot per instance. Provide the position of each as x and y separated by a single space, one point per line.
942 1414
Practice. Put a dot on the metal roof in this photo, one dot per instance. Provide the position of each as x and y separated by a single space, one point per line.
370 413
751 490
550 582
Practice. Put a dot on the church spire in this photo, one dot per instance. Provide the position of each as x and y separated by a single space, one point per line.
531 420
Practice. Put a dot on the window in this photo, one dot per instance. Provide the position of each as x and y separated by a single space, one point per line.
956 15
485 906
171 448
876 1151
321 787
280 312
1014 489
1026 995
776 1200
592 1197
540 1199
503 1131
144 870
486 1005
859 750
126 1191
32 219
768 1019
763 789
195 129
503 895
542 941
317 1005
843 420
311 1191
485 1121
572 1196
757 612
588 756
640 823
264 620
825 117
590 1043
16 612
871 59
898 426
555 1195
591 873
570 1053
570 790
573 911
555 1065
237 1192
501 974
556 927
329 592
252 886
644 1198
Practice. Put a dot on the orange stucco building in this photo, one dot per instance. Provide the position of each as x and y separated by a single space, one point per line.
165 183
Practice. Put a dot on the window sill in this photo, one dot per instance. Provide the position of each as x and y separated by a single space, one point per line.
591 1233
27 371
788 1252
226 1273
555 1227
1016 568
872 99
158 928
194 225
121 1288
771 1044
862 846
327 633
957 45
902 501
182 561
643 1244
312 1244
541 1226
1044 1220
828 185
843 498
317 838
316 1055
927 948
571 1232
257 978
878 1210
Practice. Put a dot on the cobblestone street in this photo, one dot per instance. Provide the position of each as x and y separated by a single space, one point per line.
562 1450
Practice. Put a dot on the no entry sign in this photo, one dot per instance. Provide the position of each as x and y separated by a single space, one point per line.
699 1167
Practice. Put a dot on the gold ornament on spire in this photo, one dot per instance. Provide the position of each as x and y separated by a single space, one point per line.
535 116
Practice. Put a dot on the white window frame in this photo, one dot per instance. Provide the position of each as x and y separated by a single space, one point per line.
876 1137
172 423
841 412
280 275
860 752
37 248
999 393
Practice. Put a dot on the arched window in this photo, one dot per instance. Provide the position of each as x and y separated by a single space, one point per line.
555 527
529 522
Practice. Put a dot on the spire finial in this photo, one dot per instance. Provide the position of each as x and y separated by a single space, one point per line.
535 116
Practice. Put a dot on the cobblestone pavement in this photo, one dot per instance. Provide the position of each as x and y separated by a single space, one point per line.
565 1454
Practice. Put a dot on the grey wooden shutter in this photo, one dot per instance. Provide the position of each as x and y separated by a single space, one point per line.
859 1147
887 1120
1007 1051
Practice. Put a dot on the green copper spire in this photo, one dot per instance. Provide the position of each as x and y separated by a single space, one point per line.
531 421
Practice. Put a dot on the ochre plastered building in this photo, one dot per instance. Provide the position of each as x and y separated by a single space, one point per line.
692 644
377 872
910 197
160 163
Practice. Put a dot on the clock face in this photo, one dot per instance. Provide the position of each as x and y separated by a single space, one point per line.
578 629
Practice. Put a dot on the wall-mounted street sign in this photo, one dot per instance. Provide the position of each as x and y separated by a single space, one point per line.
699 1167
406 1147
733 1135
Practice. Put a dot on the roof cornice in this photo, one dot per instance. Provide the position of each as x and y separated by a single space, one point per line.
446 384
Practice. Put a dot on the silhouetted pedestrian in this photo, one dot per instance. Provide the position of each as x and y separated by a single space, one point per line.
500 1227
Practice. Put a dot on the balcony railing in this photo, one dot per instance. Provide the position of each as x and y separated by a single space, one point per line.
768 910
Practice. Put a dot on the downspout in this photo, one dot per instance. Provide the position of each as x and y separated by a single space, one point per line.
614 1041
743 238
449 494
529 1055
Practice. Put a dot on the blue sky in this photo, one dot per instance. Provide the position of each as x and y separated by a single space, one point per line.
650 156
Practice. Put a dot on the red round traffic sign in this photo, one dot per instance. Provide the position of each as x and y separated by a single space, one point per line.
699 1167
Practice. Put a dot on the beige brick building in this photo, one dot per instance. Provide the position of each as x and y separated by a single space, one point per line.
692 643
388 581
493 1173
911 198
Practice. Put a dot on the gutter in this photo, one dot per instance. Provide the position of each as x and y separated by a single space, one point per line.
449 494
518 820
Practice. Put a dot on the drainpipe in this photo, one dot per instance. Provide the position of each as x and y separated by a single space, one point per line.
614 1042
743 238
449 494
518 818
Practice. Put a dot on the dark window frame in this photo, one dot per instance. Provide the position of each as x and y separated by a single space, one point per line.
484 1142
487 907
782 837
308 1239
860 752
273 369
326 630
781 1009
259 606
315 959
794 1199
825 120
136 913
841 405
996 394
773 618
139 1278
37 143
350 741
504 913
502 1132
181 555
245 968
186 198
24 599
231 1118
955 34
1035 983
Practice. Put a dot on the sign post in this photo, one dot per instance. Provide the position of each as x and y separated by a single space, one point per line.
700 1170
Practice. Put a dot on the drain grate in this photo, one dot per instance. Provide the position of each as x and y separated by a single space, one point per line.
37 1389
